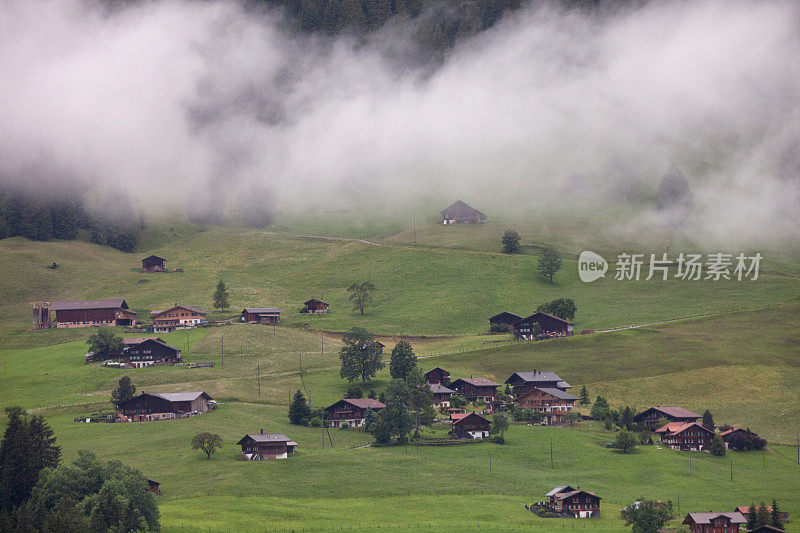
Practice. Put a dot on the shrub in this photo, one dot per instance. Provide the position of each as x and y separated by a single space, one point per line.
498 439
315 422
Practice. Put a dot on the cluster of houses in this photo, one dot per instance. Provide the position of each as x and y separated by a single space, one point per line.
549 326
682 431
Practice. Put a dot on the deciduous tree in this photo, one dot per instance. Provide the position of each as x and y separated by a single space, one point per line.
361 295
360 355
625 441
549 262
105 342
510 242
208 442
403 360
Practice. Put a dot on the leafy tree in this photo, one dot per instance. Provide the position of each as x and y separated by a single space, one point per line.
381 429
403 360
124 392
775 517
500 424
361 295
420 398
353 391
395 419
600 409
626 440
104 341
717 446
708 420
562 308
458 401
530 416
221 296
208 442
360 355
584 396
299 410
647 516
549 262
371 394
510 242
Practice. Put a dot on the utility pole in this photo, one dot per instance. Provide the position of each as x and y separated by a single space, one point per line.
551 452
322 338
490 464
731 469
258 378
415 230
222 349
690 462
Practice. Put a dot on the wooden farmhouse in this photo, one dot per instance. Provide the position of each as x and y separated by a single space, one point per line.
261 315
351 411
714 522
553 403
474 389
154 487
462 213
437 376
783 516
522 382
89 313
575 502
650 418
163 405
258 446
550 326
154 263
765 529
441 395
470 426
686 436
151 352
177 316
315 306
505 319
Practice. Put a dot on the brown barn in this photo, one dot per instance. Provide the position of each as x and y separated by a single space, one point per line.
505 319
154 263
261 315
522 382
131 341
258 446
160 405
550 326
88 313
441 395
351 411
470 426
714 522
154 487
783 516
474 389
177 316
576 502
462 213
553 403
150 352
686 436
438 376
315 306
650 418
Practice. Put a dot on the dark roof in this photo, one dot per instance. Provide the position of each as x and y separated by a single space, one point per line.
313 300
172 396
266 437
458 421
363 403
155 340
478 382
560 488
675 412
261 310
675 428
558 393
139 340
105 303
176 306
459 209
435 369
154 258
565 495
436 388
554 317
705 518
505 318
535 376
765 529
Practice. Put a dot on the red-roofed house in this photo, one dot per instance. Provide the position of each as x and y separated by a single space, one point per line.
650 417
783 516
474 389
714 522
351 411
686 436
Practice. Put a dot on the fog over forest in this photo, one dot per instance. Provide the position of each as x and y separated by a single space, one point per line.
196 106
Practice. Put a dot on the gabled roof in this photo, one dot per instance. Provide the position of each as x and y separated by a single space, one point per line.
139 340
460 209
187 307
154 258
361 403
505 318
554 317
261 310
437 388
560 488
155 340
676 428
313 300
558 393
730 432
267 437
675 412
467 416
477 382
745 509
535 376
565 495
105 303
177 396
706 518
437 368
765 529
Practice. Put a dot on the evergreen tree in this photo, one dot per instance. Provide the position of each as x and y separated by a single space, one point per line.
752 517
708 420
775 517
360 355
299 410
124 392
369 418
600 409
549 262
403 360
717 446
510 242
626 418
762 515
221 296
584 396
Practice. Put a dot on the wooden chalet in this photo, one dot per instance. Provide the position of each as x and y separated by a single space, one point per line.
261 315
163 405
714 522
765 529
522 382
552 402
131 341
462 213
470 426
315 306
650 418
441 395
505 319
437 376
351 411
549 325
151 352
177 316
93 313
259 446
686 436
474 389
154 263
154 487
783 516
575 502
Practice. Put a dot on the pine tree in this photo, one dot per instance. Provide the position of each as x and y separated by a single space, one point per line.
626 419
775 517
369 418
762 515
717 446
584 396
124 392
221 296
708 420
752 517
299 410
